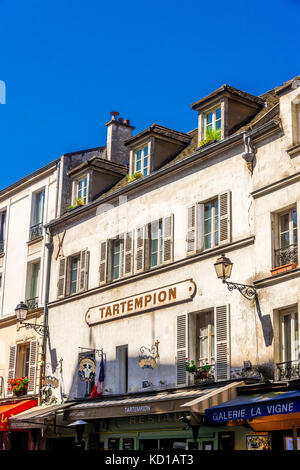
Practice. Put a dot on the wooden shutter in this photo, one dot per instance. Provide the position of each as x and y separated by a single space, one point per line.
224 200
181 340
11 365
103 263
140 250
61 283
32 367
84 270
168 237
222 332
191 230
128 254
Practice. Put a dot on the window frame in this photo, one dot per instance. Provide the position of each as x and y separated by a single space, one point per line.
121 266
210 336
294 326
277 232
214 223
159 251
212 111
84 198
143 157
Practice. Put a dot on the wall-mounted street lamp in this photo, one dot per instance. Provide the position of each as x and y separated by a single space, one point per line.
21 311
223 267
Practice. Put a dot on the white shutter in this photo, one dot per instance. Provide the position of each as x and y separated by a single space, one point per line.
140 250
11 365
103 263
128 254
224 225
181 346
168 237
191 230
84 267
222 341
32 367
61 283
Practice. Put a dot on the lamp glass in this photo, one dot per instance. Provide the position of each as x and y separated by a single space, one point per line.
223 267
21 311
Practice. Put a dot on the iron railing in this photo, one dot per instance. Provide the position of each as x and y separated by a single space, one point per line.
288 370
33 303
1 246
35 231
286 255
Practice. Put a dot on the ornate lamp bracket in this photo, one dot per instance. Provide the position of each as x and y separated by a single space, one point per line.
249 292
40 329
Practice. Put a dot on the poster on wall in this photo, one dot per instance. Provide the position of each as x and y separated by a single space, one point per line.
259 442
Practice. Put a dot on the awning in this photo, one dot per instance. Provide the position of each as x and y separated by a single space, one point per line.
37 417
168 401
254 406
11 409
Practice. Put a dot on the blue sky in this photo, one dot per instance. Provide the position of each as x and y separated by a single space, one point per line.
67 64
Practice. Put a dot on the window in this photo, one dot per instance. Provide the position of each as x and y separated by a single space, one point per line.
142 161
212 121
81 189
289 335
73 274
2 230
32 284
22 363
209 223
287 239
117 259
205 348
156 243
296 120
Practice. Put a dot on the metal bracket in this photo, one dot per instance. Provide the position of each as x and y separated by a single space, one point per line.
249 292
40 329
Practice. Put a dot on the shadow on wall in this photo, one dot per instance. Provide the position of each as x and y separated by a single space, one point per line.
266 324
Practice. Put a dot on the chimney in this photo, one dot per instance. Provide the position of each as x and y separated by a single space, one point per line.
118 130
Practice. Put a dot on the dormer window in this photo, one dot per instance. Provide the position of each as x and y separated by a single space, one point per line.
213 121
142 161
81 189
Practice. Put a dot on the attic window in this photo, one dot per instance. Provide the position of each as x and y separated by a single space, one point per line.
142 161
81 189
212 121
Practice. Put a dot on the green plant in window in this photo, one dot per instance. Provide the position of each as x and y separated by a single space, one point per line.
134 176
211 136
78 202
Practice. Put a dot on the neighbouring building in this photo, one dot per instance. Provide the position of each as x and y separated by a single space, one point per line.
133 289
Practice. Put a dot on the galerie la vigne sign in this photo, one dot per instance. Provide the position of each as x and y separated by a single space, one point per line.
150 300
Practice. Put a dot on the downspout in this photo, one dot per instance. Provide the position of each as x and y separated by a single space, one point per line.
49 246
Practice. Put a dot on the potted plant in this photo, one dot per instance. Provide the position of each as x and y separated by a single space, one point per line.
78 202
134 176
203 371
18 386
212 135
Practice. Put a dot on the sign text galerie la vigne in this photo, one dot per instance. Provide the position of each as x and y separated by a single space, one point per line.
150 300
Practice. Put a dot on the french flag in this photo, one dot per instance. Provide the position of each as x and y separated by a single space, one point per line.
98 388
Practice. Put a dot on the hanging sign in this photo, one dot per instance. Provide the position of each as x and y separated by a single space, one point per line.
147 362
150 300
87 369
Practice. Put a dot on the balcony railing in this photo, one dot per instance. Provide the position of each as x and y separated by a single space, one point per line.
35 231
286 255
288 370
33 303
1 246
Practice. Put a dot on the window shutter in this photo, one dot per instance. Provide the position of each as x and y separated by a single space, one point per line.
191 230
224 201
181 340
84 270
11 365
222 325
61 278
140 249
128 254
32 367
168 237
103 263
199 227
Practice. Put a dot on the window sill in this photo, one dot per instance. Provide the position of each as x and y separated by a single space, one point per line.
34 240
283 269
294 150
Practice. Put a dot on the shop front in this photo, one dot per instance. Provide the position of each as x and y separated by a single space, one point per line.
274 417
11 438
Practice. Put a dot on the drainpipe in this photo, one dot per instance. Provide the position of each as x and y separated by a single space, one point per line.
49 246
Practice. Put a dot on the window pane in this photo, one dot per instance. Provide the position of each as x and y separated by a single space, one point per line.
209 118
294 219
284 239
146 151
284 223
218 125
207 241
218 113
287 337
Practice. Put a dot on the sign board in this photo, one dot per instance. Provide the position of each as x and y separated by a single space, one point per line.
147 362
150 300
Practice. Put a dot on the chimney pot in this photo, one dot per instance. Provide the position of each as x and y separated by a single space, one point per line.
114 114
126 121
121 120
